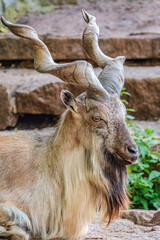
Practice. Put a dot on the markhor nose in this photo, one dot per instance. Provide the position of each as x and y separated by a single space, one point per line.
132 150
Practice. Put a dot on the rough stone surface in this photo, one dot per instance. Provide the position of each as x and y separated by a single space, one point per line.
156 218
122 229
142 217
8 111
13 48
40 93
36 93
143 83
127 28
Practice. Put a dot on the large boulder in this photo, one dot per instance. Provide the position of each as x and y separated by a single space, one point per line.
142 217
36 93
143 83
41 94
133 33
8 111
7 106
27 91
66 47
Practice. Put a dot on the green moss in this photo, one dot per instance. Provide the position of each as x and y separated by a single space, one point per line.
20 7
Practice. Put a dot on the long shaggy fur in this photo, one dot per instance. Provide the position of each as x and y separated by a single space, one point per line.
82 189
69 185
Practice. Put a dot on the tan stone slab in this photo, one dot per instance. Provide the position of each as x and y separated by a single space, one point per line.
12 48
8 111
130 28
40 94
143 83
70 48
121 230
37 93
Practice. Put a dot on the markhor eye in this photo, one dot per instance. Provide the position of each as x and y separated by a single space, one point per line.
96 119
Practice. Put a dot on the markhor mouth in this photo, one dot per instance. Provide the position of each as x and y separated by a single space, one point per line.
124 160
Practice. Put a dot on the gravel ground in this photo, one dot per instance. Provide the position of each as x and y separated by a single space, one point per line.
115 18
123 229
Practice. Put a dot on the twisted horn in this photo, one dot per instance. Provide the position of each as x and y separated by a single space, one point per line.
78 72
112 75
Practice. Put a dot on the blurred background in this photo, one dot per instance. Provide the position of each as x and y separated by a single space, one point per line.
30 100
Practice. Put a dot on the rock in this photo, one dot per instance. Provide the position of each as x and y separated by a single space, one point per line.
142 217
70 47
13 48
8 111
40 94
156 228
133 33
8 118
143 83
37 93
156 218
139 217
121 229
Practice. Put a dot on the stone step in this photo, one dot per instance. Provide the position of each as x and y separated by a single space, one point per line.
126 28
143 83
25 91
70 47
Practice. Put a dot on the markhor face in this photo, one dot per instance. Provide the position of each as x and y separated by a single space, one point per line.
107 121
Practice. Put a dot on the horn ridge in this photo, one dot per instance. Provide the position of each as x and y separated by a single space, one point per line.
77 72
112 75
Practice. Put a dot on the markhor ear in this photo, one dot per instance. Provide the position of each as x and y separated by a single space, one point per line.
69 100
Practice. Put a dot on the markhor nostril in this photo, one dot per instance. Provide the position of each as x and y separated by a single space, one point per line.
132 150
